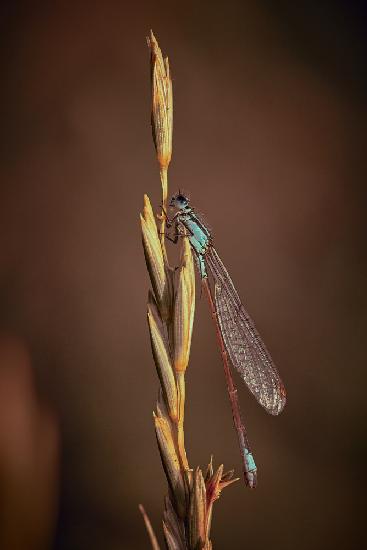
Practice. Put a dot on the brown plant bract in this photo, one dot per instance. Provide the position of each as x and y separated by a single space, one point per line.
188 506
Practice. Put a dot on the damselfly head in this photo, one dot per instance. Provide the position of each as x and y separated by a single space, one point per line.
179 201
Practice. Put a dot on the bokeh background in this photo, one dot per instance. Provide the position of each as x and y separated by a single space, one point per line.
269 138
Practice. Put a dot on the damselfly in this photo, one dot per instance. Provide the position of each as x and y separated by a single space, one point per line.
236 333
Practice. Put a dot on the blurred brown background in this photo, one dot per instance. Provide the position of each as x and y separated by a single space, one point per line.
269 132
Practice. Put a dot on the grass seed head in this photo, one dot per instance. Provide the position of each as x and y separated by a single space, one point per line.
188 507
162 107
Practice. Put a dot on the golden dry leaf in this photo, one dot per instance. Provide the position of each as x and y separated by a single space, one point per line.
162 359
159 274
198 511
171 463
184 308
174 530
170 539
190 273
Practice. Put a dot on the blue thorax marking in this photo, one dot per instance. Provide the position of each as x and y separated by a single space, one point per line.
198 235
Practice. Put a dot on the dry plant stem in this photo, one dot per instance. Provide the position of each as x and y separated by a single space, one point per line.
149 528
162 121
164 181
188 506
181 416
232 390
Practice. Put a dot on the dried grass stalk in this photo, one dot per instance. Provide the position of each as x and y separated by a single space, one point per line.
188 506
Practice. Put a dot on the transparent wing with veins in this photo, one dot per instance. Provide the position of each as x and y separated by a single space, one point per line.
245 348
